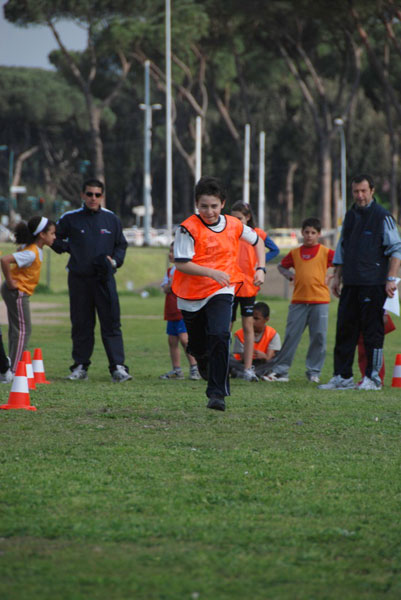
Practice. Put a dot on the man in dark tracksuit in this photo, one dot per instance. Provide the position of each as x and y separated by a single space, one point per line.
367 260
94 239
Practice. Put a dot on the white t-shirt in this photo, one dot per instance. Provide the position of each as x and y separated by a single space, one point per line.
184 250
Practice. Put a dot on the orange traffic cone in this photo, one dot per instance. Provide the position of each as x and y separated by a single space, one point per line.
26 358
19 395
396 382
38 367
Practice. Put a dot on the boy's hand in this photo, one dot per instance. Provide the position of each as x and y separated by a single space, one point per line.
259 277
221 277
259 355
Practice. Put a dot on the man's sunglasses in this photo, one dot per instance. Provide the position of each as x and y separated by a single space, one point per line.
91 194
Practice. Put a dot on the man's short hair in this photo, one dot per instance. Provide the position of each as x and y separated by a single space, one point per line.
312 222
93 183
210 186
363 177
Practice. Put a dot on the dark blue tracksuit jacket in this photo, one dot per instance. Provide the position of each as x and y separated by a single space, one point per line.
88 236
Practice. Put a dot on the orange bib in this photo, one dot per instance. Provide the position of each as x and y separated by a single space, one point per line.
213 250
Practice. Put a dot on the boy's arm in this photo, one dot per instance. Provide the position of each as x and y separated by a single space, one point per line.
6 261
260 252
191 268
286 273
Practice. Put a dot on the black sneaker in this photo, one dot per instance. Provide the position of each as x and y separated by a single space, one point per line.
217 403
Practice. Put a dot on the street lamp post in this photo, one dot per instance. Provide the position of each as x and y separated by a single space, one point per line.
340 124
147 145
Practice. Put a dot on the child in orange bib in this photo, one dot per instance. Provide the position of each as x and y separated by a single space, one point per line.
206 278
266 343
309 306
22 271
245 297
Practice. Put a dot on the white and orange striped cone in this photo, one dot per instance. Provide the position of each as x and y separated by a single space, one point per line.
38 367
396 381
19 394
26 358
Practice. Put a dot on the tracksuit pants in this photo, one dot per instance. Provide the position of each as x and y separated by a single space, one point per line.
360 310
89 295
300 316
209 340
19 323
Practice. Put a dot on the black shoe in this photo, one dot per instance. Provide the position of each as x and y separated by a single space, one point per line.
203 367
217 403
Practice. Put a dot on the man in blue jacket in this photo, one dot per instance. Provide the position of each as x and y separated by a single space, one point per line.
367 261
93 237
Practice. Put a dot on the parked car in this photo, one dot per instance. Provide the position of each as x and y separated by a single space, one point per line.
285 237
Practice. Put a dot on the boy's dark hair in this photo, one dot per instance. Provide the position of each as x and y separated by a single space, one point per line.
23 232
363 177
210 186
245 210
312 222
93 183
263 308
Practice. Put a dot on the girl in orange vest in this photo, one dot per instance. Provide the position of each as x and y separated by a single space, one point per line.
206 278
22 271
267 343
245 297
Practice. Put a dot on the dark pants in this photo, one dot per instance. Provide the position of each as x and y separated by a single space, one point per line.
89 295
360 311
209 337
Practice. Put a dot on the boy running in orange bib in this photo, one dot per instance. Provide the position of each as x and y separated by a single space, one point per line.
206 279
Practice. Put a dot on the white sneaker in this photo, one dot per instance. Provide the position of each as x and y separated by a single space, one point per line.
120 374
369 384
6 377
194 373
338 383
250 375
314 378
275 377
78 373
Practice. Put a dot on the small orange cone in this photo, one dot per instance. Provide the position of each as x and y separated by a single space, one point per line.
19 395
26 358
396 382
38 367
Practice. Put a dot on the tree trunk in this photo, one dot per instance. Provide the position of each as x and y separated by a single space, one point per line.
325 169
97 144
289 193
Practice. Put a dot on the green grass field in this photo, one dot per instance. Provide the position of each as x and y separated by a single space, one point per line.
137 491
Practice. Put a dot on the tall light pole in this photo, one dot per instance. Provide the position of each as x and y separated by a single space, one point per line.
261 195
340 124
147 145
169 144
247 161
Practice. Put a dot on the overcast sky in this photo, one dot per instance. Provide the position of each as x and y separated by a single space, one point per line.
29 47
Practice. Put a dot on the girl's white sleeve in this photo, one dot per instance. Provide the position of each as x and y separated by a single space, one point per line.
24 258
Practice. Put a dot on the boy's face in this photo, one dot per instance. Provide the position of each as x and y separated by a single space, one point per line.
258 321
209 208
171 254
311 236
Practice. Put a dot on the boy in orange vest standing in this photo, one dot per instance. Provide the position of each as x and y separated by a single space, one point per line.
266 343
206 279
309 305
